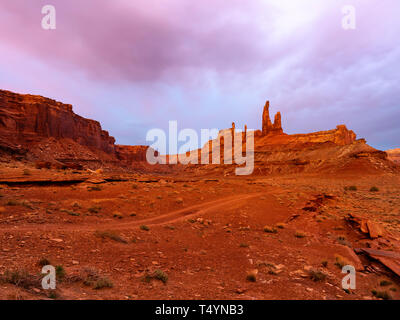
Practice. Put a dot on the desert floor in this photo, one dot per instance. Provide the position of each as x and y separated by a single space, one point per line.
130 236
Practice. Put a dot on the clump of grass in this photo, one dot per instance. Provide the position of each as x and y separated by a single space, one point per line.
385 283
324 263
374 189
317 275
381 295
158 275
144 227
300 234
91 278
135 186
44 262
161 275
110 235
20 278
60 273
102 283
269 229
26 172
244 245
350 188
94 209
341 261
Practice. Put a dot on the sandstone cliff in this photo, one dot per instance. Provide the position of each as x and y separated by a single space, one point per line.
26 119
131 154
394 155
339 136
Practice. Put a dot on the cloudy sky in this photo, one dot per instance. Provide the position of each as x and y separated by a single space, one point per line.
134 65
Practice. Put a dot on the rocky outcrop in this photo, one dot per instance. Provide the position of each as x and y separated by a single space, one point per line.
267 126
26 119
394 155
131 154
277 126
335 151
340 136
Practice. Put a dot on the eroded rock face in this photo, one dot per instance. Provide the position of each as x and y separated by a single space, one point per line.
394 155
340 136
266 120
130 154
277 126
332 151
26 119
267 126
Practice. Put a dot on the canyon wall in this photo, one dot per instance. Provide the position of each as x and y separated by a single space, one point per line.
131 154
340 136
26 119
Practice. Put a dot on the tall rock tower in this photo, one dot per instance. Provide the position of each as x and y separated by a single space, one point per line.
266 121
267 126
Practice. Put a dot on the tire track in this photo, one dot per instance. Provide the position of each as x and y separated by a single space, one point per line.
166 218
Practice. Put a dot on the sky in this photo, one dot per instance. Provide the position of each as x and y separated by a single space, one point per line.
135 65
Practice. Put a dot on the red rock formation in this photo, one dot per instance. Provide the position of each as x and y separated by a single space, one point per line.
266 121
26 119
340 136
130 154
267 126
42 129
277 126
394 155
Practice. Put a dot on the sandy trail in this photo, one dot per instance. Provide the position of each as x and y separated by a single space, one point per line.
170 217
